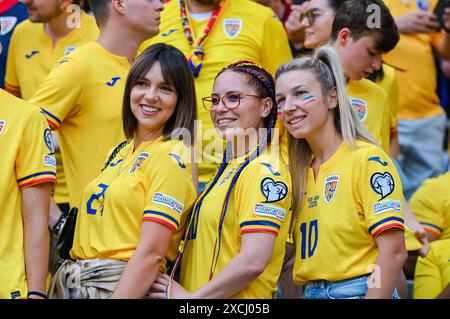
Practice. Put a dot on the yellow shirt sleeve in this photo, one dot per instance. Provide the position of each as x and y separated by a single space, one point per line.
379 192
275 48
61 92
170 192
427 277
11 80
263 198
36 163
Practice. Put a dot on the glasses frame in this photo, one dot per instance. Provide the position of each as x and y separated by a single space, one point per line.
240 94
311 15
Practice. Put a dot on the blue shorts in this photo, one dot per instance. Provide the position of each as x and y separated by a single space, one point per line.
353 288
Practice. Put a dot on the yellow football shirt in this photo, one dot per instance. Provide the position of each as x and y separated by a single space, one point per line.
431 205
31 57
26 160
416 71
244 30
372 106
432 274
82 99
260 202
357 195
159 188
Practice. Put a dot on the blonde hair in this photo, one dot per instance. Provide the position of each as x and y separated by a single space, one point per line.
326 67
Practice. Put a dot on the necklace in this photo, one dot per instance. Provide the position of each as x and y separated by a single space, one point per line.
141 157
197 53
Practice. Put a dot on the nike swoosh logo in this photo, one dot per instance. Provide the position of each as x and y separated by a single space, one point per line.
378 160
169 32
32 54
113 81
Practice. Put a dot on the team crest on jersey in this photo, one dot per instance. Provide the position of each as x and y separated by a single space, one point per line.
139 161
273 191
382 184
232 27
49 141
330 188
168 201
7 24
360 107
69 49
269 211
2 126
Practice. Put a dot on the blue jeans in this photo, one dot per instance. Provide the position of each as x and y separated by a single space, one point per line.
353 288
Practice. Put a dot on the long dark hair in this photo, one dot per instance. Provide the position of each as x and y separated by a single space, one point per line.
176 71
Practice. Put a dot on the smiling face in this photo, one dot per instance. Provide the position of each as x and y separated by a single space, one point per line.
250 113
319 31
153 101
303 109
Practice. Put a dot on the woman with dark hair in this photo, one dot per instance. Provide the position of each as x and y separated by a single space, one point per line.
132 216
236 238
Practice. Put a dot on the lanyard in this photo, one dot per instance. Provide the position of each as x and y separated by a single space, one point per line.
197 53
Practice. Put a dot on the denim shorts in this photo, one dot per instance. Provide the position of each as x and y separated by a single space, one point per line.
353 288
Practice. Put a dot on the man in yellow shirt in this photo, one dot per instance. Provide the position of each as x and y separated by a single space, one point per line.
82 95
214 34
421 119
53 30
28 170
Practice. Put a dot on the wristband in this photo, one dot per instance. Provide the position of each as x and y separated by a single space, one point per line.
37 293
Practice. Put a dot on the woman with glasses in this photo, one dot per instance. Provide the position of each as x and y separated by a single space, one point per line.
132 216
235 242
347 196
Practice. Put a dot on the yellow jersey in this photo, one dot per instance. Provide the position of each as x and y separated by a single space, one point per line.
431 205
86 110
416 72
244 30
356 196
159 188
26 160
259 202
371 104
32 56
432 274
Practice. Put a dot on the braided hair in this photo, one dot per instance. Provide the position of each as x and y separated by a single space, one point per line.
263 82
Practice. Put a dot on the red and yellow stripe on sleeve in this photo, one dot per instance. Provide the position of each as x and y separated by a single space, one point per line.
258 226
385 224
435 230
52 120
37 178
161 218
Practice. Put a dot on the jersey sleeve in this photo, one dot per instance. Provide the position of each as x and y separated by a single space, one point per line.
380 193
274 40
263 198
35 162
171 191
11 80
428 208
427 277
59 94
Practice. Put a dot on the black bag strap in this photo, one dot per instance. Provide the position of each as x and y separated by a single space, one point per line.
114 153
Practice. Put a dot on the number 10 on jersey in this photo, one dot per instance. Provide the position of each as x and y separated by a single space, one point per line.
307 233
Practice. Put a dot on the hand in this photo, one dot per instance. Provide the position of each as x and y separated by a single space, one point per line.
417 22
159 288
294 26
421 235
446 17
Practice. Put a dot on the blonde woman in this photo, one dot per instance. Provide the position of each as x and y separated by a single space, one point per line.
347 196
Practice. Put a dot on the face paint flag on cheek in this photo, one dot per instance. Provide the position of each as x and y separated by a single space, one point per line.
279 110
307 100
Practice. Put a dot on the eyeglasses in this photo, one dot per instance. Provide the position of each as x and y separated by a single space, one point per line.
311 15
230 100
